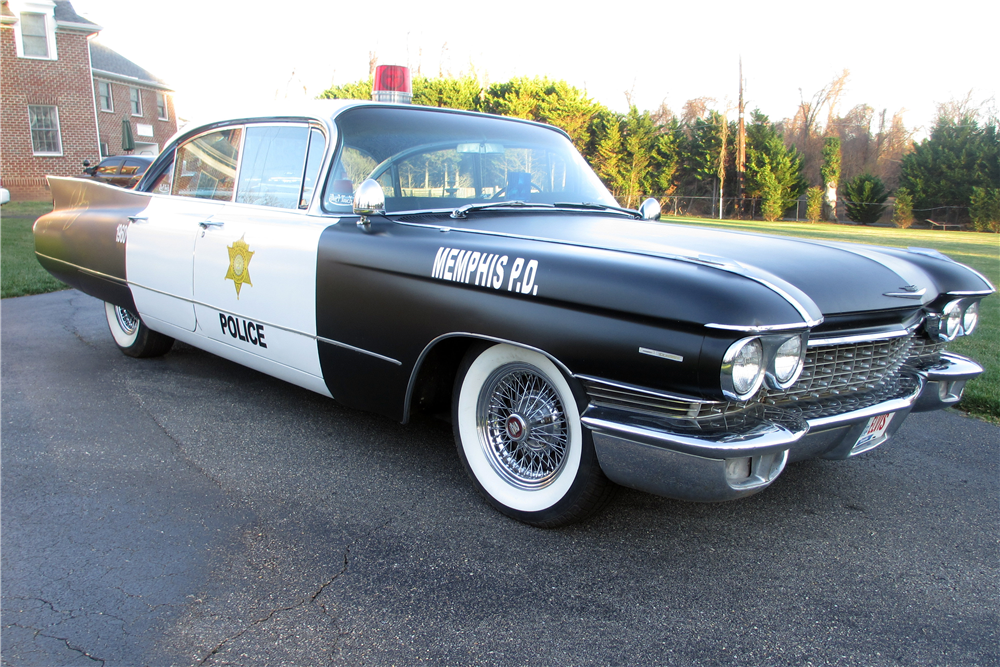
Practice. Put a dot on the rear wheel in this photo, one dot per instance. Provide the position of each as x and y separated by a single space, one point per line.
132 336
518 432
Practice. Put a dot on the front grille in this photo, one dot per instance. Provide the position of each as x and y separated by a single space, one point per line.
835 379
838 370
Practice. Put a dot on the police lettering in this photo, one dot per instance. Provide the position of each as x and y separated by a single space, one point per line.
244 330
485 270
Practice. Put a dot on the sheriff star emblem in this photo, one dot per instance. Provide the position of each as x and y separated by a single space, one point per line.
239 264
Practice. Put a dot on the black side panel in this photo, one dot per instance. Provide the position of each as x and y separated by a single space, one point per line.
82 241
376 291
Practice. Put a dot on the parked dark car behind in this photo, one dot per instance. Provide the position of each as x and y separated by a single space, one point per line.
121 170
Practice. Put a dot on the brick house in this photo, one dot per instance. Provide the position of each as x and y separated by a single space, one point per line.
63 97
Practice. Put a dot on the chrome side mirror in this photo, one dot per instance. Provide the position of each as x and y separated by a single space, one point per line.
650 209
369 200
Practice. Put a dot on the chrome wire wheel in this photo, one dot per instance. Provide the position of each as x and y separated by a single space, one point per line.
522 426
127 320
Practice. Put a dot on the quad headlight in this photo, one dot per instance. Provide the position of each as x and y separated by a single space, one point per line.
958 318
749 362
786 364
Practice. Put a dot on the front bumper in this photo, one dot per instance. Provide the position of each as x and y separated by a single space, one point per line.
638 451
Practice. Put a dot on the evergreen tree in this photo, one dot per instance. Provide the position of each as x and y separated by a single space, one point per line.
959 156
866 196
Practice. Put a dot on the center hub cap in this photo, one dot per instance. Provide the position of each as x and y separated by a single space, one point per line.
517 428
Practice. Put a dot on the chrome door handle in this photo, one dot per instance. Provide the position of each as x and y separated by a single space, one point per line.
138 218
208 223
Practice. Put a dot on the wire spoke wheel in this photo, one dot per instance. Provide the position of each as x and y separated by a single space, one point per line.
522 426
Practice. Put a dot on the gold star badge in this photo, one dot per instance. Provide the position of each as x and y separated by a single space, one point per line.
239 264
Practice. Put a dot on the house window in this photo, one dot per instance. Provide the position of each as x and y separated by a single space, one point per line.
34 36
161 106
44 123
104 98
136 101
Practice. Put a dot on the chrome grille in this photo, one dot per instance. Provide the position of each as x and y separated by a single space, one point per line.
925 352
835 370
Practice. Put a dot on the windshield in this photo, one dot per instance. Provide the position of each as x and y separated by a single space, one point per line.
426 159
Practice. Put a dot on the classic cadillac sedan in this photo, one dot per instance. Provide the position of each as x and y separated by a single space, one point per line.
400 258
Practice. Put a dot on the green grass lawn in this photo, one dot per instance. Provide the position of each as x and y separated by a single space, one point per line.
20 272
23 275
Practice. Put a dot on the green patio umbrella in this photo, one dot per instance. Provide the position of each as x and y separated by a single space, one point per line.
128 141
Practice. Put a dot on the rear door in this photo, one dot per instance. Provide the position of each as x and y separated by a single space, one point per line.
161 241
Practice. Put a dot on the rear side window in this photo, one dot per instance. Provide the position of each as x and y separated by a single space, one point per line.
205 167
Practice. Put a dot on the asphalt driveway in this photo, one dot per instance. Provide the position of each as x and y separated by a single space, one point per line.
188 511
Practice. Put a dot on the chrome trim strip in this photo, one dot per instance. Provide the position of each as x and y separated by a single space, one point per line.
195 302
83 269
734 267
858 338
970 293
765 328
645 390
907 295
357 349
669 356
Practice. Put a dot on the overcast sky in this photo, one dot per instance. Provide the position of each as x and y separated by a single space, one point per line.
901 56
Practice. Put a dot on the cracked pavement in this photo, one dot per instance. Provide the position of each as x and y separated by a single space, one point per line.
188 511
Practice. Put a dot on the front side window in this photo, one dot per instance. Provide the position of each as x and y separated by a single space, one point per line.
136 101
161 106
205 167
34 36
273 161
104 98
44 122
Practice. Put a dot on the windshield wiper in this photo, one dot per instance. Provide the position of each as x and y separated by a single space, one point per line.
599 207
461 212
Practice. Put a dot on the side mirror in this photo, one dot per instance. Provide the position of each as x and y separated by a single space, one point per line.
650 209
369 200
86 163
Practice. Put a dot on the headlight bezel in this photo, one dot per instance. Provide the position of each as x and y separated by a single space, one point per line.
731 384
772 349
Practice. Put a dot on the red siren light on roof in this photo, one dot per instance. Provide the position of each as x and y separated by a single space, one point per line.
392 84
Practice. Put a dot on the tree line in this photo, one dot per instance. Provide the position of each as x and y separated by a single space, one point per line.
861 157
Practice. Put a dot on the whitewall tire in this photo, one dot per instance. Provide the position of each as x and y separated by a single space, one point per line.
132 336
518 432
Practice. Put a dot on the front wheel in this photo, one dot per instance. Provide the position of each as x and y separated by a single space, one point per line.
518 432
132 336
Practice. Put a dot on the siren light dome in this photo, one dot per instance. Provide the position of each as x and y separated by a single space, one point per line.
392 84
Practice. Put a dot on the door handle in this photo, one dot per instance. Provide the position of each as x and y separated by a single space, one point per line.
208 223
138 218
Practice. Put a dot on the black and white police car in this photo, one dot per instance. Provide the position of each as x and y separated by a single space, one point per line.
400 258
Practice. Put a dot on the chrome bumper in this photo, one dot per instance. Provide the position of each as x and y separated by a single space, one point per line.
636 452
